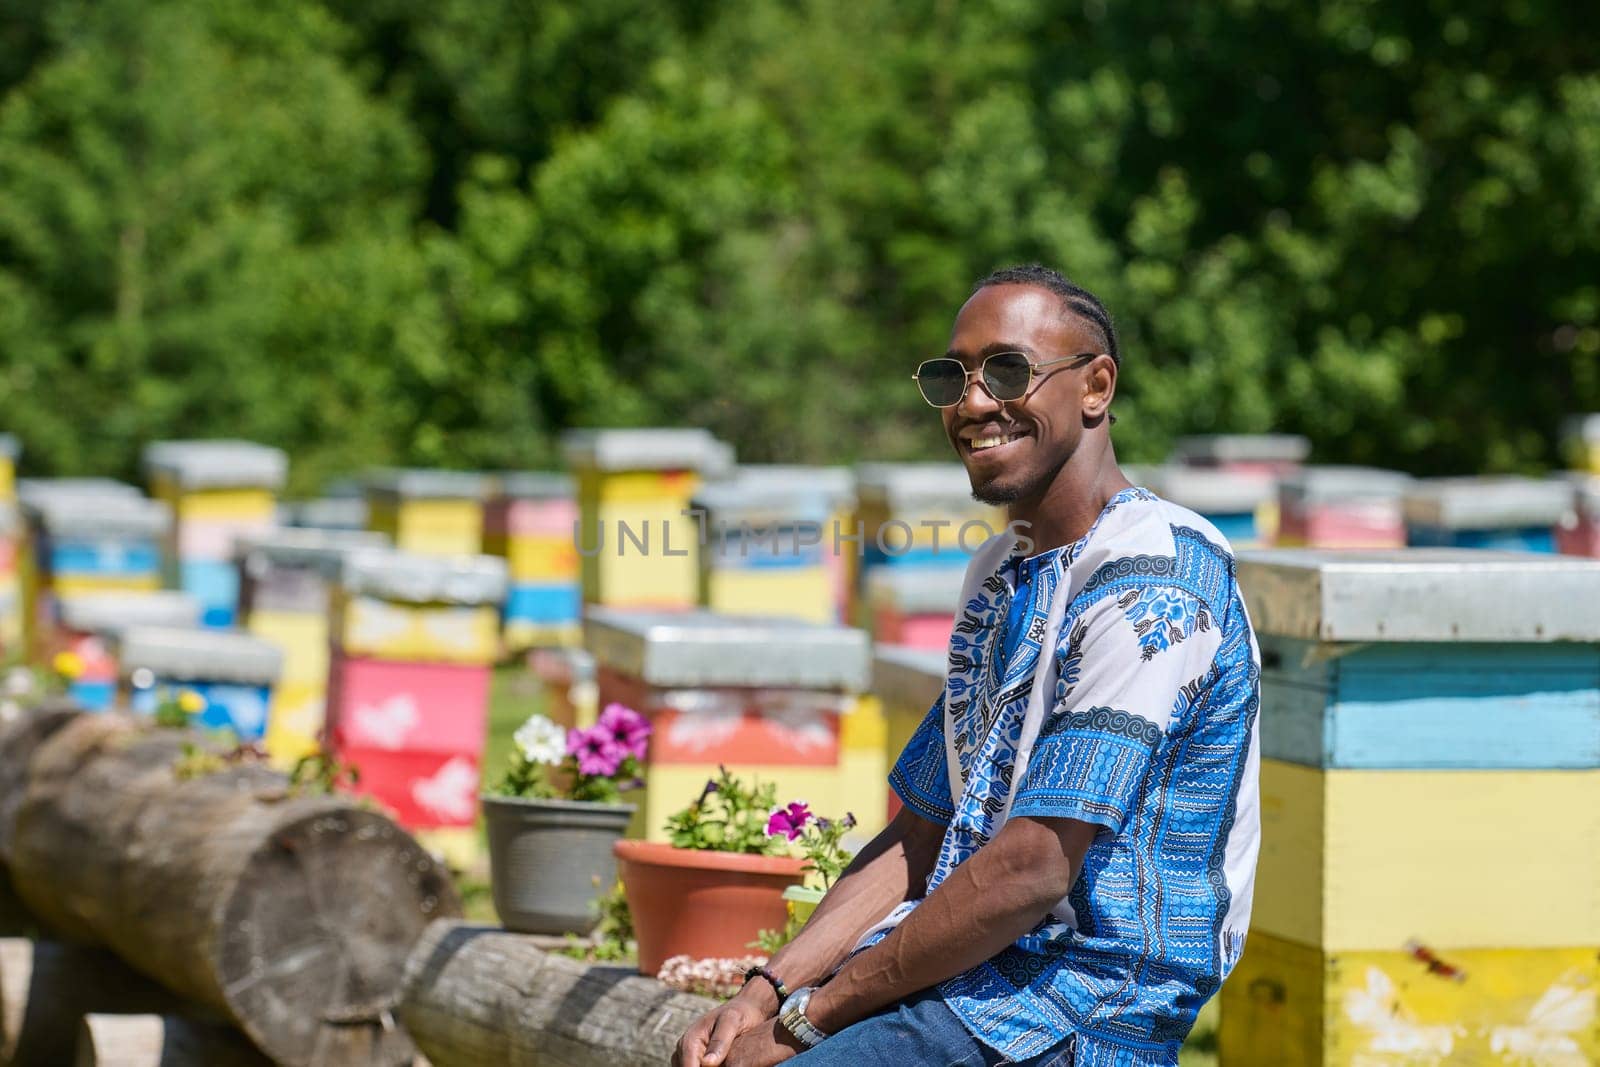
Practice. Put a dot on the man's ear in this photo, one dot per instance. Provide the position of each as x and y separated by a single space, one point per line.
1099 388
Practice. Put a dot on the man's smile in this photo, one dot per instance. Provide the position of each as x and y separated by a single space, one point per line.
990 440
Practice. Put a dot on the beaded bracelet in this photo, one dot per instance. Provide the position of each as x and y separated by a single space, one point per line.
777 983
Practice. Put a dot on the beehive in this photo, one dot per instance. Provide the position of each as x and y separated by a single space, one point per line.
218 491
1579 534
286 596
637 544
914 606
1516 514
1241 504
233 672
90 624
767 548
531 521
85 539
12 541
1582 434
1244 453
1341 507
431 512
414 637
1430 733
765 697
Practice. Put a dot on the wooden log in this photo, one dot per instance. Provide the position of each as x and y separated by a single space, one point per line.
46 987
161 1041
475 995
290 915
20 735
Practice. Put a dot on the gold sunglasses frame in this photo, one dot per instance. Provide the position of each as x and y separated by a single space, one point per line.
978 370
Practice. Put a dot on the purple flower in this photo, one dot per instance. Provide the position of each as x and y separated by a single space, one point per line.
789 821
596 751
628 728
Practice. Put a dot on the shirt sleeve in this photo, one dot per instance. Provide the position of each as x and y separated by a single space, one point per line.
921 776
1125 666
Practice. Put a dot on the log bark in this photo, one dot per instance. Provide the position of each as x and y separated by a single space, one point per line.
161 1041
20 735
477 995
46 988
289 915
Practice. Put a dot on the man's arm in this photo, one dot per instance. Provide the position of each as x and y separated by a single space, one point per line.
1006 889
893 867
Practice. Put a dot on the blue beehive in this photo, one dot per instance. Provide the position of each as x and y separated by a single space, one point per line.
233 672
1514 514
1231 500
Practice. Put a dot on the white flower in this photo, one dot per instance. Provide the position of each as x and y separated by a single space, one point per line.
19 682
540 740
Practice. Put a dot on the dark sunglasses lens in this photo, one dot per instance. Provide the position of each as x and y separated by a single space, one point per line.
1007 375
941 381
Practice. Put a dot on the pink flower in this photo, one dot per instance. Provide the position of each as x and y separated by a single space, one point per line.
789 821
596 751
628 728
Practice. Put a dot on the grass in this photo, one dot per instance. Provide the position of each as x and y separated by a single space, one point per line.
515 694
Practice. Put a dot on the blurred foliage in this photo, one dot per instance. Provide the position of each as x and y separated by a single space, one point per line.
440 232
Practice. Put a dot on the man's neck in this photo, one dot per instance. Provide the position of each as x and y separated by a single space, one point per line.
1069 505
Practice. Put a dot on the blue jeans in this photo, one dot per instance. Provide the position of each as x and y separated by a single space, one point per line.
921 1031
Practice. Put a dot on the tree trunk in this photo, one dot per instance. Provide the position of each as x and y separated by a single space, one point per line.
478 995
45 989
161 1041
290 915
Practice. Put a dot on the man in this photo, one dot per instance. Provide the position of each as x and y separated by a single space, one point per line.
1070 877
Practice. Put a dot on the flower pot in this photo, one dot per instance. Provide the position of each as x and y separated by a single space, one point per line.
550 859
803 900
702 904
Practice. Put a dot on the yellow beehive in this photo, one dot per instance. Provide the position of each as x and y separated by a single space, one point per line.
295 721
906 681
1289 1004
1368 860
10 449
638 547
436 513
428 633
461 847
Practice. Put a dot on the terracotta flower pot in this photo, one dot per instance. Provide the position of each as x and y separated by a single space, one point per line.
701 904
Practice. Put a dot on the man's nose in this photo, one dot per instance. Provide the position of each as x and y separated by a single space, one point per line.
978 401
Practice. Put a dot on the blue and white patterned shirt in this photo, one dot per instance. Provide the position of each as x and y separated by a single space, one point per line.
1144 723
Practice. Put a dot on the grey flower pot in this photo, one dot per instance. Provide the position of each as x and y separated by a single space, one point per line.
550 859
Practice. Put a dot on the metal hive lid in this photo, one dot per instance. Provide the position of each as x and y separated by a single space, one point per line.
104 613
916 590
1242 448
704 649
533 485
734 501
1585 428
221 464
197 655
323 550
648 449
36 491
329 513
908 677
1421 595
1487 502
1321 485
413 578
10 447
1210 491
898 486
99 515
429 484
1586 494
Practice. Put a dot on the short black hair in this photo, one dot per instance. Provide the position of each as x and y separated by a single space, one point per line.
1075 298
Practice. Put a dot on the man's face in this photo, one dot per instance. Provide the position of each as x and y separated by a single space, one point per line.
1012 451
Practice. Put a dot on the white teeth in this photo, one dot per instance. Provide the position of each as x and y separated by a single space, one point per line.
987 442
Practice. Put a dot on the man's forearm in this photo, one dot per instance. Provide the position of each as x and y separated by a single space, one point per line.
988 902
892 868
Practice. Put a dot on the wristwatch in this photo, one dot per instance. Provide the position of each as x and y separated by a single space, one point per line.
793 1018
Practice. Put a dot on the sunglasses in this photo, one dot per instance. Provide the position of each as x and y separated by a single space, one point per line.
1006 376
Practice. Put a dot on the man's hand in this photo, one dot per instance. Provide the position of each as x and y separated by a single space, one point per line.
708 1039
764 1046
